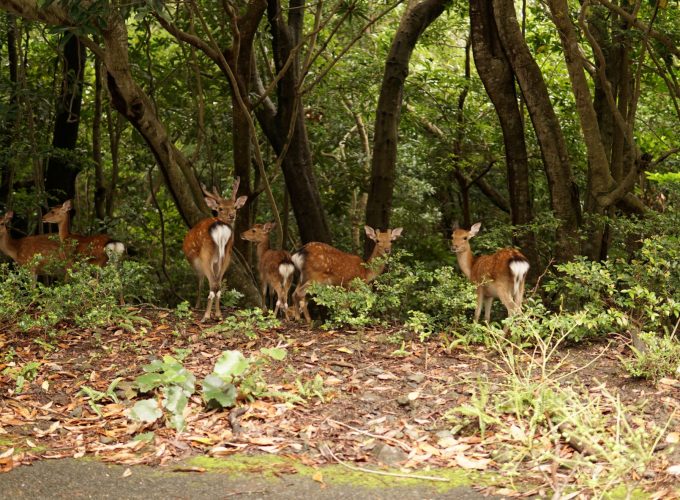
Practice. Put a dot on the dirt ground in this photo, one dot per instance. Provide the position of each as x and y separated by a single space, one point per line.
375 405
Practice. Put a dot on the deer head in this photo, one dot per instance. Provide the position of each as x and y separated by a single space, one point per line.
225 208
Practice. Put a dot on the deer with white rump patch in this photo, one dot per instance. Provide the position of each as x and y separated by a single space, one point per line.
96 248
500 275
322 263
209 243
275 267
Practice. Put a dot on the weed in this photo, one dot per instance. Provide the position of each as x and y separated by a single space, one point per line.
246 321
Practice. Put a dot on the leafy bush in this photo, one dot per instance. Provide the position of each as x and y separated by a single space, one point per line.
427 300
87 296
658 357
246 321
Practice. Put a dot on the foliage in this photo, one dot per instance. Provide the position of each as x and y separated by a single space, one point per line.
22 374
531 413
87 296
656 357
247 322
236 376
96 396
177 384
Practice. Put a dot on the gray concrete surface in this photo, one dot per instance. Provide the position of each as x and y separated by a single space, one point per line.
77 479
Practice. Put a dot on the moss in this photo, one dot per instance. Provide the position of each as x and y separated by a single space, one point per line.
273 466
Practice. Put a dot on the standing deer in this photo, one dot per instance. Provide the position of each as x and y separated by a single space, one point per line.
322 263
274 266
501 274
96 248
209 243
23 250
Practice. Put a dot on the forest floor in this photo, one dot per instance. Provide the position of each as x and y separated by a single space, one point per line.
369 408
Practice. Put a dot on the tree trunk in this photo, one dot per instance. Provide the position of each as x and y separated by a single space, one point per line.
564 196
8 126
99 184
388 112
285 126
62 167
496 74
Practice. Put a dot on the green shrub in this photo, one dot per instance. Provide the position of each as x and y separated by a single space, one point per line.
88 296
658 357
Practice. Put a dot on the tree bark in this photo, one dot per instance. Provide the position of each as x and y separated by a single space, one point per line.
62 168
564 197
8 126
496 74
285 126
388 112
99 184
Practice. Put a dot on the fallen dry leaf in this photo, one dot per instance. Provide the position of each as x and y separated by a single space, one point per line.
472 463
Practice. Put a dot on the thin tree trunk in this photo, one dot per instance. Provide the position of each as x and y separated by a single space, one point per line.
8 126
564 197
62 167
498 78
383 168
99 184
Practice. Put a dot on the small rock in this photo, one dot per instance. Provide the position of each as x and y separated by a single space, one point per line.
416 377
106 440
443 434
405 401
388 455
370 397
77 412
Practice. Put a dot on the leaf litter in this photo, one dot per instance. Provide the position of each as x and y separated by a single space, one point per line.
370 408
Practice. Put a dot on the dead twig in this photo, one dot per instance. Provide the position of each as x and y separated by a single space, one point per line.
403 445
325 449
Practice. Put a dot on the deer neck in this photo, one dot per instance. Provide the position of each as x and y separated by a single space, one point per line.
372 272
8 245
65 227
465 260
262 247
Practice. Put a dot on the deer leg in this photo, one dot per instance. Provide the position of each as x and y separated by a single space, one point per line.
300 298
201 278
506 298
218 295
488 301
265 306
480 301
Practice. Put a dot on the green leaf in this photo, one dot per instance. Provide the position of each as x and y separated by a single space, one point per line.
146 410
144 436
216 389
230 364
148 381
175 400
276 353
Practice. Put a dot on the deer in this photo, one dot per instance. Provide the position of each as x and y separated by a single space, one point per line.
23 250
500 275
275 267
96 248
208 245
321 263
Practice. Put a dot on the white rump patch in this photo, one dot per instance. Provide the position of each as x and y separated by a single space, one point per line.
286 269
220 234
519 270
115 247
298 259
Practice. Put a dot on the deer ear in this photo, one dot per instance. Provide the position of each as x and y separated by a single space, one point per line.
396 232
370 232
67 205
240 201
455 226
212 204
475 229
